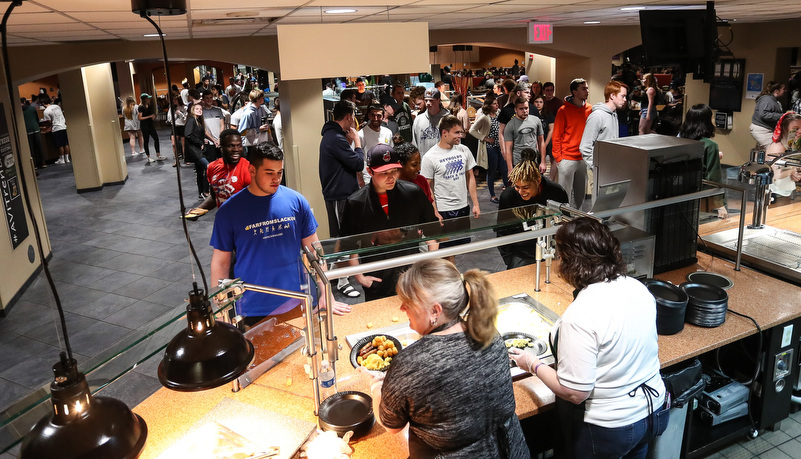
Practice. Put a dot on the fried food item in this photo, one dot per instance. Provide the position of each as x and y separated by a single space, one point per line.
520 343
377 354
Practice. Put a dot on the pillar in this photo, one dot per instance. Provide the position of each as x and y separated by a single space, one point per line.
302 115
93 127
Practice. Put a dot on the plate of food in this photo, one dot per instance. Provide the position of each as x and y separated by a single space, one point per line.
375 352
525 342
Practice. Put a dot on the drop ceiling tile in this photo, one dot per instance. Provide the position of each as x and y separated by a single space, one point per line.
246 4
86 5
228 13
40 18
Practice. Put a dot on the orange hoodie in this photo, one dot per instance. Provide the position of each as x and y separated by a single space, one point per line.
568 129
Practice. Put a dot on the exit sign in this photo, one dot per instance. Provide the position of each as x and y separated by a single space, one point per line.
539 32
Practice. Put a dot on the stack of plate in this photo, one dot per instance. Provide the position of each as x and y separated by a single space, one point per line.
671 304
707 305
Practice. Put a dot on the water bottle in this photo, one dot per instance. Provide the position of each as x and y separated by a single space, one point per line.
326 377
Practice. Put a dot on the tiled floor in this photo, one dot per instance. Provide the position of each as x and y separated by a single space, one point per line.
120 260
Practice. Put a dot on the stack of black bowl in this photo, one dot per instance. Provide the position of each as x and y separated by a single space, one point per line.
707 305
671 304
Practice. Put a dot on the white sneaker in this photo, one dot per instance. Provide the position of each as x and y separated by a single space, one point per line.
60 161
150 160
68 159
161 158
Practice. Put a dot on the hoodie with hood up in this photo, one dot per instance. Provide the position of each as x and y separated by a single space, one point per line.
339 163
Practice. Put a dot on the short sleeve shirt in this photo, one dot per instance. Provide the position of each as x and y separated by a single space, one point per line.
448 169
523 134
227 180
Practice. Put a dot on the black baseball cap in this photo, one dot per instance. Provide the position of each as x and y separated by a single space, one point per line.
382 158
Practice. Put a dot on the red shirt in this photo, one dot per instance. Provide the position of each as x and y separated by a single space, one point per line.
227 180
423 183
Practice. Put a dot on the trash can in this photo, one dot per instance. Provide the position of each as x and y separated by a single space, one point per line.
684 382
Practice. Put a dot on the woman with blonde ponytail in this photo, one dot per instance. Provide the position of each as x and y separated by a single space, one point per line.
452 387
130 114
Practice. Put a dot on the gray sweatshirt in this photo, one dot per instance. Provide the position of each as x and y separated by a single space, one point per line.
601 125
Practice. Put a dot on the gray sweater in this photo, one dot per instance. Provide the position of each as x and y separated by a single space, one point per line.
602 124
767 112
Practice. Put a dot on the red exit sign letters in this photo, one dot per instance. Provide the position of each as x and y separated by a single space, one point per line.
539 32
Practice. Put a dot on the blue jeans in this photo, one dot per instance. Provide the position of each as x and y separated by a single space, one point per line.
630 442
496 164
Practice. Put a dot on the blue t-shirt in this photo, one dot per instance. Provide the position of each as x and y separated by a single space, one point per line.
266 233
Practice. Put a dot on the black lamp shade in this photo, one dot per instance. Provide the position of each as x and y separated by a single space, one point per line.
205 355
86 427
158 7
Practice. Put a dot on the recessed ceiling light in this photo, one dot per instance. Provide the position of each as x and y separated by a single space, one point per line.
592 22
152 35
340 11
632 8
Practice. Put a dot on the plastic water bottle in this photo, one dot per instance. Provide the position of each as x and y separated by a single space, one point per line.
326 377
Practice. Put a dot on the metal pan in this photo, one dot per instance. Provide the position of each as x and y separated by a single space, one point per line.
704 277
354 353
536 345
348 410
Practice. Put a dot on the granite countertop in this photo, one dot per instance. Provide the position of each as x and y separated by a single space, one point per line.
286 388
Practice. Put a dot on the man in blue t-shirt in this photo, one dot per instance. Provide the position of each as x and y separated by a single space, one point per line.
266 224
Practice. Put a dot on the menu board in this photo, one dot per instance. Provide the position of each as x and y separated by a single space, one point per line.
13 206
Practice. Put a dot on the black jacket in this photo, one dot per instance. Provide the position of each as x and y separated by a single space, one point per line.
339 163
408 205
510 199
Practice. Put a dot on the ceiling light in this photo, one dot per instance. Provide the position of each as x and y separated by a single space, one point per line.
632 8
592 22
340 11
150 35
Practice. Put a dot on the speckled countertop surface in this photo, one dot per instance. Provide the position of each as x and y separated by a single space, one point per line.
286 388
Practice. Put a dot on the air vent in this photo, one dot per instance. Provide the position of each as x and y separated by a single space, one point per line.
233 21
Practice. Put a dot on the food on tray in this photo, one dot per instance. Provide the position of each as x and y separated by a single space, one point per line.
519 317
377 354
520 343
369 325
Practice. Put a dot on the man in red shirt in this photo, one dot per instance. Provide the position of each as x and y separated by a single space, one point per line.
227 175
567 131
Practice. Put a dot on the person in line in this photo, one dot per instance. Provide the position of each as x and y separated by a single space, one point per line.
58 126
410 161
459 111
403 115
31 117
147 116
524 131
552 104
372 134
547 120
384 208
131 125
417 103
227 175
786 137
530 187
338 169
452 387
609 390
214 120
425 130
178 141
602 124
650 100
568 130
767 112
195 136
253 125
265 221
698 125
486 129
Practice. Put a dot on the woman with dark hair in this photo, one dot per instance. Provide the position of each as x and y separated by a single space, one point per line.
698 125
410 160
195 136
459 111
648 105
767 112
606 349
786 137
486 129
452 387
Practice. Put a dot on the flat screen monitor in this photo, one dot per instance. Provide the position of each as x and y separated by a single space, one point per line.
675 37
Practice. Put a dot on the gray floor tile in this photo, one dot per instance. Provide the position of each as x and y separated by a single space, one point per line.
136 264
105 306
791 427
116 280
97 337
173 295
757 446
775 453
135 315
792 448
21 349
175 272
49 331
736 451
143 287
132 389
10 393
33 372
777 437
23 317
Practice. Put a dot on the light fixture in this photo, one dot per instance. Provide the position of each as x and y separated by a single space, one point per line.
592 22
80 425
207 353
632 8
340 11
150 35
